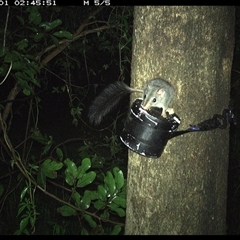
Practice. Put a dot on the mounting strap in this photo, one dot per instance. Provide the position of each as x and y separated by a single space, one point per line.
217 121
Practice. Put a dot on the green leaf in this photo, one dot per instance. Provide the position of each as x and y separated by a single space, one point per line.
11 57
119 178
34 17
52 165
22 44
25 231
33 66
34 167
59 154
93 194
22 79
17 65
77 198
120 201
48 145
115 208
20 19
116 230
27 92
84 231
35 30
105 214
29 73
23 193
32 221
38 136
99 204
24 222
86 200
55 40
38 37
63 34
35 82
22 206
70 172
102 193
67 211
49 168
110 182
122 193
89 219
17 232
29 76
23 83
48 26
86 179
41 179
86 164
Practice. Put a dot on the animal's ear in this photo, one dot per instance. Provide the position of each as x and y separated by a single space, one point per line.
148 86
161 92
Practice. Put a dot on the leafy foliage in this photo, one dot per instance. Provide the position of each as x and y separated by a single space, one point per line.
57 53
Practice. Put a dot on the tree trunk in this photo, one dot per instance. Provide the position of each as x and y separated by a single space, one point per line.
183 191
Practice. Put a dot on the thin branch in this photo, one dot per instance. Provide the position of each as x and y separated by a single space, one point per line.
5 29
9 70
62 46
74 38
11 96
66 43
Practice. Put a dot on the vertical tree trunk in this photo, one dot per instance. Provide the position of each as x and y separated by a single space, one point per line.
183 191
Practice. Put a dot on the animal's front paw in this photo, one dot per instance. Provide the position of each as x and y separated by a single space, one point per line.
170 111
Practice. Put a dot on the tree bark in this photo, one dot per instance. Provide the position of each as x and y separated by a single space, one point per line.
185 190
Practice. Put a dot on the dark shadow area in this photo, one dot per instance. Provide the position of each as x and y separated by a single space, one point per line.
233 196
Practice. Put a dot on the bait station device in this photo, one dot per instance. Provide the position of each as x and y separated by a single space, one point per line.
147 133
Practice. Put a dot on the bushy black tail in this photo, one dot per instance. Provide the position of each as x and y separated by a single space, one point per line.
107 100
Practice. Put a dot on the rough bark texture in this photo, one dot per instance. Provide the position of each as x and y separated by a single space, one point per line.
183 191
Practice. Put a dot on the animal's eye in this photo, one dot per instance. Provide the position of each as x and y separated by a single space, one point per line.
154 100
